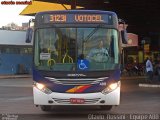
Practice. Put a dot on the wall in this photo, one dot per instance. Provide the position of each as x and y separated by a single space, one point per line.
11 63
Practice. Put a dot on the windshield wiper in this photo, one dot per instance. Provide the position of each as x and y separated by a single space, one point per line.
92 32
90 35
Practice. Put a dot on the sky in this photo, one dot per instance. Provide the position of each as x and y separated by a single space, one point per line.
10 13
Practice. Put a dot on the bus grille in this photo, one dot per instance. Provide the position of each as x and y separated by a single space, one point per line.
76 81
67 101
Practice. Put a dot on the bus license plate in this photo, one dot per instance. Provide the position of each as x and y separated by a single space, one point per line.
77 100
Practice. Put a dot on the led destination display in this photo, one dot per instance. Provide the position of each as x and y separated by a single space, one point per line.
77 18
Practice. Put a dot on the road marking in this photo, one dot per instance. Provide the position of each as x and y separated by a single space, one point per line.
149 85
6 100
22 98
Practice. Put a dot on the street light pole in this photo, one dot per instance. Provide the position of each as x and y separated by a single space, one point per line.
143 43
73 4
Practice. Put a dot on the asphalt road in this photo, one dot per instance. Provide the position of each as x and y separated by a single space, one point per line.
16 102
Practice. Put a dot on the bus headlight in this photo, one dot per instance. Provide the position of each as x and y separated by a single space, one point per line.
42 88
111 87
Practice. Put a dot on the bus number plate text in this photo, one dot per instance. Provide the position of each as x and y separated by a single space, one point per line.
77 100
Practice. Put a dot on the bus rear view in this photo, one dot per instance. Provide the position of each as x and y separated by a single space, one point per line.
76 59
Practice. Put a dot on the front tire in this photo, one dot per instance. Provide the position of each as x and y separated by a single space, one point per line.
46 108
106 107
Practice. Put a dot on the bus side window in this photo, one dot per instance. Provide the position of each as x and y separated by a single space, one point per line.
124 36
111 47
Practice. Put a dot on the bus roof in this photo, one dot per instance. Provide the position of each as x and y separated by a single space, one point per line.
76 17
78 11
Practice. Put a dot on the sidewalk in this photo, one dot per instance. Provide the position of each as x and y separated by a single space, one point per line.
15 76
142 81
133 77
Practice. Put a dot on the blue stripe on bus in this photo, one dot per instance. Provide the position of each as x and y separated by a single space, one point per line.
63 88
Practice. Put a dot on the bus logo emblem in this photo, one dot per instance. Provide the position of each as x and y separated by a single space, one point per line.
76 75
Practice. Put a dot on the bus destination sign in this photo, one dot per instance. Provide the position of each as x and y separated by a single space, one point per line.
77 18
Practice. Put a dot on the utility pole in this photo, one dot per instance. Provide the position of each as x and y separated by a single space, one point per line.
143 43
73 4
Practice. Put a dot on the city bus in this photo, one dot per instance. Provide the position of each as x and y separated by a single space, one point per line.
76 59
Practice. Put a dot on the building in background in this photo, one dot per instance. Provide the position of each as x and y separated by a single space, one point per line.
14 26
15 54
24 26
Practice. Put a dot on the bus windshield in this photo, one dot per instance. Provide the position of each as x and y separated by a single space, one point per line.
65 49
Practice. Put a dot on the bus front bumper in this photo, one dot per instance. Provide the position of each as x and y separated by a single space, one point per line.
112 98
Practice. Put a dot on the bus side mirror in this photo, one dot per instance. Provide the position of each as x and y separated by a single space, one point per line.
124 36
29 33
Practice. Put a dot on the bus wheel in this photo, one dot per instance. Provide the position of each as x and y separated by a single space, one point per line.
46 107
106 107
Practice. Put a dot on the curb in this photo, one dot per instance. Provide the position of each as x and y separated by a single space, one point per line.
149 85
14 76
